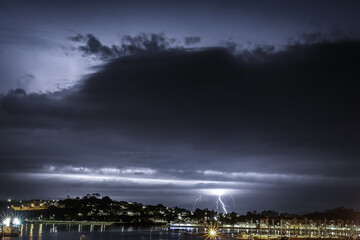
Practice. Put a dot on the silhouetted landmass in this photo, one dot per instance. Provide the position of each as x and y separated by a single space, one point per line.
93 207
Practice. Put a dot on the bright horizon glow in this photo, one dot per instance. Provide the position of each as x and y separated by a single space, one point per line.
137 180
217 192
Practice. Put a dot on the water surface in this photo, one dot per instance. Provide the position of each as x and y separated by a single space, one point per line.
103 232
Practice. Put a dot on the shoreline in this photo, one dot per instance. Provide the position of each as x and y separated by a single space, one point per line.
70 222
97 223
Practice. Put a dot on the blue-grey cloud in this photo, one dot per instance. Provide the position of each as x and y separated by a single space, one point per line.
192 40
257 123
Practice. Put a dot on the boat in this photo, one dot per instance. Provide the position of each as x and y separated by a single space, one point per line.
10 231
10 227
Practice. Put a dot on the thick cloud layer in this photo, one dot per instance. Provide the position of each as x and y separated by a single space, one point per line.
266 125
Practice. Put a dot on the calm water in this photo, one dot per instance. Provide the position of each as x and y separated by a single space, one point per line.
91 232
63 232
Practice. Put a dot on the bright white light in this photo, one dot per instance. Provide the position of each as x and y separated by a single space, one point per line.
9 200
212 233
16 221
7 221
217 192
127 179
222 204
197 201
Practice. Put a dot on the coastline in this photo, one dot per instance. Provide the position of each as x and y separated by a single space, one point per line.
97 223
70 222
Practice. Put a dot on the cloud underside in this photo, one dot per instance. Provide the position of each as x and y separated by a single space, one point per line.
144 43
201 118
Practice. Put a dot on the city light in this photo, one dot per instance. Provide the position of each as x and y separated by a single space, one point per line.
212 233
6 221
16 221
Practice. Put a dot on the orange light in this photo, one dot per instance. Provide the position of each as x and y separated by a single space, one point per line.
212 233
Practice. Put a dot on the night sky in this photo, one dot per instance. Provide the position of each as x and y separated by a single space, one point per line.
167 101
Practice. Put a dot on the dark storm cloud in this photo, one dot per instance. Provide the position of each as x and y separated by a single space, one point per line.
336 35
192 40
260 121
144 43
94 47
204 86
78 38
209 79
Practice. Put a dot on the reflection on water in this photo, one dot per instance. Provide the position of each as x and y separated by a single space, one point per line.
106 232
99 232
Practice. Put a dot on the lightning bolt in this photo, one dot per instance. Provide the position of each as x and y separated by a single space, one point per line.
223 206
233 202
197 201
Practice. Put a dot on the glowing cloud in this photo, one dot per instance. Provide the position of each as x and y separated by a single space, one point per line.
217 192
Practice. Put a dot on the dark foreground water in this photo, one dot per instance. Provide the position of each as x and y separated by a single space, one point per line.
103 232
86 232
